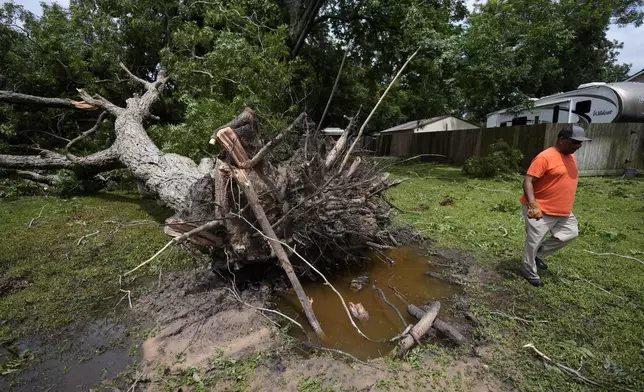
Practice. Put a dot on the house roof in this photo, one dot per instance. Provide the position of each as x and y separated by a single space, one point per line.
414 124
332 131
636 74
421 123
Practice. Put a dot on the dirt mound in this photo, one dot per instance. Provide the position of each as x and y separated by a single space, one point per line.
196 318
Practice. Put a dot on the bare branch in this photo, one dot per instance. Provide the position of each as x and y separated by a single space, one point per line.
326 281
86 133
95 163
33 176
200 71
572 372
172 241
25 99
33 220
268 147
135 78
335 85
333 156
99 102
385 300
364 125
579 277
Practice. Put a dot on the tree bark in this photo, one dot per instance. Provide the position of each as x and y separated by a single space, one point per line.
92 164
419 329
442 327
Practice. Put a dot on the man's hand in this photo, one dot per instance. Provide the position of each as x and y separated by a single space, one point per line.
534 211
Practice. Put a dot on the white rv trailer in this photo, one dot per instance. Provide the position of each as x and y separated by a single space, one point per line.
590 103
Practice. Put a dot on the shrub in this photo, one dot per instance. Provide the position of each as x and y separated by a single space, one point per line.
501 158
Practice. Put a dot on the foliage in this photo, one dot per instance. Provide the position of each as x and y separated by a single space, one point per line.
500 158
584 323
225 55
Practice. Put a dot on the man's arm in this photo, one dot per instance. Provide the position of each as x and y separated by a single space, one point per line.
534 210
528 188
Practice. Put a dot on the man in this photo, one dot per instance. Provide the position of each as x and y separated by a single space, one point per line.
548 196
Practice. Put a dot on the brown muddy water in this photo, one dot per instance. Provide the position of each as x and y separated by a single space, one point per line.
408 275
77 360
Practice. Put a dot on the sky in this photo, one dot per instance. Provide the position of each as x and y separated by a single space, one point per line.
632 53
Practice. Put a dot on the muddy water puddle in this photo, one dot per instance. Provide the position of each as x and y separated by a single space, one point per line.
78 360
408 275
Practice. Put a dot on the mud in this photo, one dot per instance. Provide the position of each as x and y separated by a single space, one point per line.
77 359
196 318
180 326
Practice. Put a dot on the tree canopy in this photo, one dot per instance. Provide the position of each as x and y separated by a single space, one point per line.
282 56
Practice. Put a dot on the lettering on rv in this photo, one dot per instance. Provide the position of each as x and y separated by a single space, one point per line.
602 112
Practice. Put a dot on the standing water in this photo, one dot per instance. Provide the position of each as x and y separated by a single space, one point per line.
408 275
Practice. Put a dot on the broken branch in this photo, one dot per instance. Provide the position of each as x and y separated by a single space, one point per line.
83 238
268 232
420 329
33 220
616 255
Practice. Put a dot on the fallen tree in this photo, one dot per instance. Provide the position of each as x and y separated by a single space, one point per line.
315 201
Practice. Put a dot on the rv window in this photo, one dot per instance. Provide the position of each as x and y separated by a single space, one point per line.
555 114
583 107
520 121
536 119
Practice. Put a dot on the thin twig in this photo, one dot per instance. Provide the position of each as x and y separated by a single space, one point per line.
364 125
333 350
151 258
33 220
384 298
160 275
128 293
520 319
88 132
138 377
238 298
572 372
399 294
579 277
83 238
616 255
335 85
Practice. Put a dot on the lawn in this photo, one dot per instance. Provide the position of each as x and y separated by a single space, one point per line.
590 313
50 276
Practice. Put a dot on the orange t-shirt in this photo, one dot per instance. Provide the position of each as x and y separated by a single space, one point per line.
556 183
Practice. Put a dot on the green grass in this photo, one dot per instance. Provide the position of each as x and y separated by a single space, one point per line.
584 324
66 282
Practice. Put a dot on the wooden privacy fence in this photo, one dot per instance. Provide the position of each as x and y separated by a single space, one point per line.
614 148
